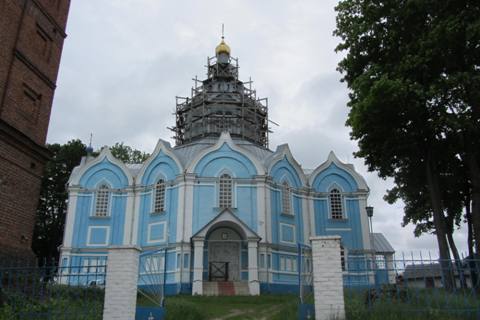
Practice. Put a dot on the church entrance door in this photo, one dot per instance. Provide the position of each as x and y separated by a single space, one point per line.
224 255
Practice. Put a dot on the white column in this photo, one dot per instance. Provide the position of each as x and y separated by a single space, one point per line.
129 217
261 205
366 237
70 220
311 215
121 283
188 207
327 278
306 219
253 283
197 285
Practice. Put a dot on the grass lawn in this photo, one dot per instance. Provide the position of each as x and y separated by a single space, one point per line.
61 302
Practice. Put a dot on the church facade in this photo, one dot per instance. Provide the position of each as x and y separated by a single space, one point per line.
223 205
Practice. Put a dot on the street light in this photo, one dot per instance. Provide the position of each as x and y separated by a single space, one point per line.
369 211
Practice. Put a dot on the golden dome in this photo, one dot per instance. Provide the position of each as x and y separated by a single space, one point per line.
222 48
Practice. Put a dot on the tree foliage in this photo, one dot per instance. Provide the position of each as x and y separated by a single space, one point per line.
127 154
413 70
51 211
52 206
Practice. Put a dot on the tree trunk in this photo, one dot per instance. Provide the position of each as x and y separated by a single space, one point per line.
439 223
474 171
458 261
468 216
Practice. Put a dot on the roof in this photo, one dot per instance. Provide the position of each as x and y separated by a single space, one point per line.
422 270
381 244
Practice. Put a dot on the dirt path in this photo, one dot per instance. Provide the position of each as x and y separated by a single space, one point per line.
253 314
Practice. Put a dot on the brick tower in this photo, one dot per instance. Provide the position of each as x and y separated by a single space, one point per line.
31 37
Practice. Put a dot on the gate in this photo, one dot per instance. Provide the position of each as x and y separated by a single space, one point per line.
306 308
218 270
151 285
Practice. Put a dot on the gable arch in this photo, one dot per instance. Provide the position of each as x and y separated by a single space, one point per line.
225 155
104 167
284 166
162 163
334 171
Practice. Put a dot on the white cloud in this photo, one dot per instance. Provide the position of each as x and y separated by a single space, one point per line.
125 61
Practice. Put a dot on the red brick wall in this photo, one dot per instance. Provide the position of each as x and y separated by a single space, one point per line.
20 177
31 37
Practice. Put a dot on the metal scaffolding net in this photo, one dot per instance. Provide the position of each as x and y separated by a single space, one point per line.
221 103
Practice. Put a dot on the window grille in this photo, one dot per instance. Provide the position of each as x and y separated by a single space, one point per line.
342 257
225 191
159 205
286 198
336 208
103 197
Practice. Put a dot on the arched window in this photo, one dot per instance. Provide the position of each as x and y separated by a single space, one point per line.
336 208
286 198
225 191
101 204
159 204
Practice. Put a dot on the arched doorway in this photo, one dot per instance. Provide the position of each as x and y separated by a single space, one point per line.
227 239
224 254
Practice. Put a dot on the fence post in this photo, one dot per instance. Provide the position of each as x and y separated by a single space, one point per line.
121 283
327 278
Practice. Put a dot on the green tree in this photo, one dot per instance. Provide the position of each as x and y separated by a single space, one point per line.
50 219
51 211
127 154
412 67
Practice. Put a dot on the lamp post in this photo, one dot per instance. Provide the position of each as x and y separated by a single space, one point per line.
369 210
370 215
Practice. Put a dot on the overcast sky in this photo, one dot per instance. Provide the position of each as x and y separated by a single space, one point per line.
124 61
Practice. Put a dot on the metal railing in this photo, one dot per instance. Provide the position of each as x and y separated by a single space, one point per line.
417 285
52 292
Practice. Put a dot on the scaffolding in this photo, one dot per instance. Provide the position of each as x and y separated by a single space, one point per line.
221 103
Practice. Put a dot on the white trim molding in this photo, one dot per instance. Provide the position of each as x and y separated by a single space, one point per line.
107 236
280 233
149 230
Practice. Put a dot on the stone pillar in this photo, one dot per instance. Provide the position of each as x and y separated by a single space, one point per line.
197 285
390 265
327 278
121 283
253 283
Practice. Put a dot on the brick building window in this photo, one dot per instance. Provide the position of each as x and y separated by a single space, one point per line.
159 203
225 191
102 201
44 43
336 207
286 198
30 105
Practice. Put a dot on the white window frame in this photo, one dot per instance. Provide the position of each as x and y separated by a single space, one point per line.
232 191
341 201
281 233
95 200
149 230
154 197
107 236
286 198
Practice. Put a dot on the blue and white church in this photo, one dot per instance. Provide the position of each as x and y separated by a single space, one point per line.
225 206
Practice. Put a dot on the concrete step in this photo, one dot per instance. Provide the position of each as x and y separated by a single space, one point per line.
210 288
241 288
225 288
